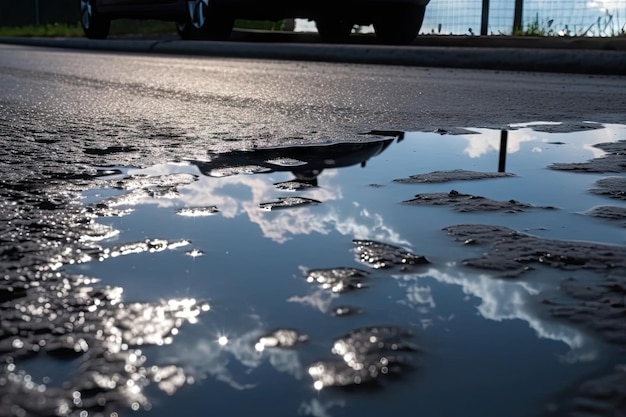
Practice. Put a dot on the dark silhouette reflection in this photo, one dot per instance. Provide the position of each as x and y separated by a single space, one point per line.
307 177
504 138
305 162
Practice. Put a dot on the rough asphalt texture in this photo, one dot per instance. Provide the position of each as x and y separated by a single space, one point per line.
42 220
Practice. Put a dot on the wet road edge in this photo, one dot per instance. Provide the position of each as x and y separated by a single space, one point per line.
574 61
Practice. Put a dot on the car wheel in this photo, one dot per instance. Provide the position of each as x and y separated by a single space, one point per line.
399 25
205 21
333 30
94 25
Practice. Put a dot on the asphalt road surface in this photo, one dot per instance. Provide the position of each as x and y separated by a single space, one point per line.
262 102
161 108
64 112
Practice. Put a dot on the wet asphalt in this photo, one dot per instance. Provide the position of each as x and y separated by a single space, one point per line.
78 104
564 55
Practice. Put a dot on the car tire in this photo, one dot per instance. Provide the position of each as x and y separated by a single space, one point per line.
399 25
203 20
333 30
94 25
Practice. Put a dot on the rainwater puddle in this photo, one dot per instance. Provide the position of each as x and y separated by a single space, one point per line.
267 240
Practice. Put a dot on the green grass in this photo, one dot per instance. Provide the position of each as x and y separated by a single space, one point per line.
606 26
133 27
538 29
48 30
609 25
120 27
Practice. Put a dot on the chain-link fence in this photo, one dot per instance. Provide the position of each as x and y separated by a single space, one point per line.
539 17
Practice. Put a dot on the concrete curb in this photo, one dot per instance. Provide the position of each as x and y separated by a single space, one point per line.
549 59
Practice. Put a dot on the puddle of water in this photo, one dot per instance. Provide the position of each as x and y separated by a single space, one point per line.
482 346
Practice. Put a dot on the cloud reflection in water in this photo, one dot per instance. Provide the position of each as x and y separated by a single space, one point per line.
499 300
243 194
199 358
203 358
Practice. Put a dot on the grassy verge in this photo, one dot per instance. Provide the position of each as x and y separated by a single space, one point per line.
608 25
120 27
49 30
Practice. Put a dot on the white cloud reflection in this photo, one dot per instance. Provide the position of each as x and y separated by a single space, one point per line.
418 297
489 141
241 195
202 358
320 299
499 300
317 408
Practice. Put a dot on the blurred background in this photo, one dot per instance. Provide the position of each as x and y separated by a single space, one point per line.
443 17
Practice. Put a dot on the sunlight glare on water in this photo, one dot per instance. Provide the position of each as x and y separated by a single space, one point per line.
440 338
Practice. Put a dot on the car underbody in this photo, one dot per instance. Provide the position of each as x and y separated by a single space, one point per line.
395 21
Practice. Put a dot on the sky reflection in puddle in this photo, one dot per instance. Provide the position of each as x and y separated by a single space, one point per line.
483 345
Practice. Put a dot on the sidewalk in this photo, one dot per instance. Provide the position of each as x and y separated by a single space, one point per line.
493 41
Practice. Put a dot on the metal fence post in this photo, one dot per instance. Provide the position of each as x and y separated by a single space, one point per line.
517 18
37 12
484 24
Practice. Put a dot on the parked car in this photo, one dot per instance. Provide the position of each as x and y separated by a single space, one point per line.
395 21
